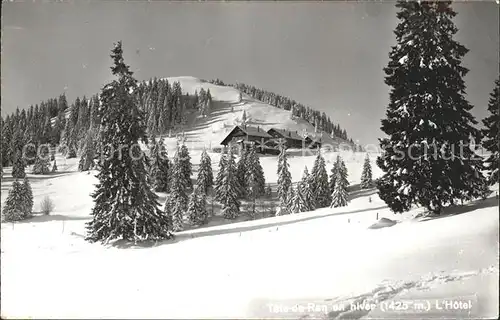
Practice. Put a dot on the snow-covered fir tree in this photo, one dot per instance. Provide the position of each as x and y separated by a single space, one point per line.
42 162
18 166
298 202
71 151
86 162
125 206
366 175
220 175
205 179
241 171
70 139
66 136
340 195
159 168
256 184
186 166
427 159
244 115
286 207
333 173
491 134
178 191
167 211
284 178
197 212
319 183
305 189
27 192
14 208
230 189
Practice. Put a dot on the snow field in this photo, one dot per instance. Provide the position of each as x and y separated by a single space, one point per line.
48 269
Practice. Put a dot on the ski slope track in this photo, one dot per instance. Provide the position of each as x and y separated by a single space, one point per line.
320 260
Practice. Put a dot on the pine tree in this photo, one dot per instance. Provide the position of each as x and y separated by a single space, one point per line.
220 176
168 212
70 139
86 162
333 174
366 175
186 167
197 213
241 171
256 183
6 153
205 179
125 206
178 190
54 167
15 207
42 162
244 116
152 121
320 187
305 189
284 179
340 194
159 169
427 159
491 133
230 190
27 192
298 201
286 206
18 166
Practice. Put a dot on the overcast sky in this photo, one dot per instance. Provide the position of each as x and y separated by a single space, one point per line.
325 55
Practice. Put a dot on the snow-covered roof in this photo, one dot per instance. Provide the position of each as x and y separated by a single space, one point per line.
287 134
250 131
255 131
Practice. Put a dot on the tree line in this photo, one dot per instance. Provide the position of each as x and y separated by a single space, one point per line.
74 127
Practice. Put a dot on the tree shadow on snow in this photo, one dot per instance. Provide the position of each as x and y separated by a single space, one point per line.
32 177
52 217
194 233
459 209
362 193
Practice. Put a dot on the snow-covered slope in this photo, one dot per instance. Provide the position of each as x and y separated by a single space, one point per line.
328 257
227 112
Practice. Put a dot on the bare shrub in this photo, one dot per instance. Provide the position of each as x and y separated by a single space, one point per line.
47 205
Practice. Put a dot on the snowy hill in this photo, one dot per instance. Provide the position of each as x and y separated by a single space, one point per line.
228 110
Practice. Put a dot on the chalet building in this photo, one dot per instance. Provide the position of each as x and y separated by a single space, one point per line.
292 139
267 141
312 142
246 135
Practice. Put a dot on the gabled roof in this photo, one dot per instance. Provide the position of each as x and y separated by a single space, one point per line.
250 131
287 134
253 131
